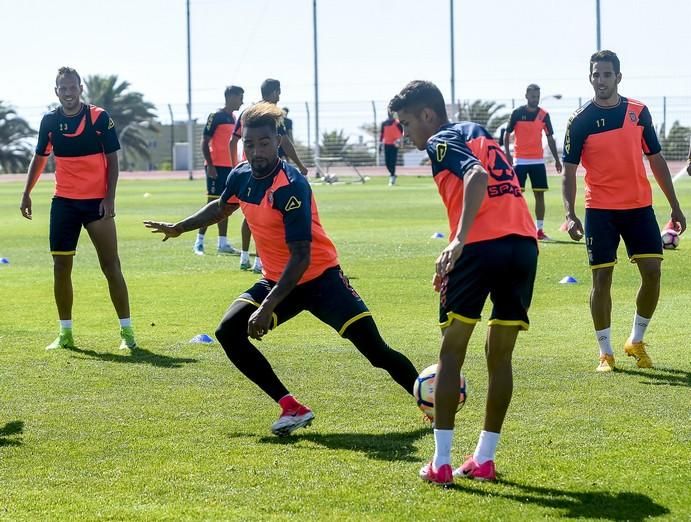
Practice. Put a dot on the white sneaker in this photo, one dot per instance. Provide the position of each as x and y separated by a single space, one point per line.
199 249
288 422
228 249
257 268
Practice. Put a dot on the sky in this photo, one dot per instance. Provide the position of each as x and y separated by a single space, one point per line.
368 50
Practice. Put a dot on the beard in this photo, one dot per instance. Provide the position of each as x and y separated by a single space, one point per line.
261 170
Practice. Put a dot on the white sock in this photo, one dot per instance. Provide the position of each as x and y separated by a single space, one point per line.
244 257
486 446
126 322
257 262
604 339
65 324
222 241
638 329
540 223
442 448
200 239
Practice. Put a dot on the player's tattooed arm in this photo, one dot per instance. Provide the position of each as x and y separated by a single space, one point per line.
209 214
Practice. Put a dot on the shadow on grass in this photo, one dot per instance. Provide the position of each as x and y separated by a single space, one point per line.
9 430
391 446
661 376
624 505
136 356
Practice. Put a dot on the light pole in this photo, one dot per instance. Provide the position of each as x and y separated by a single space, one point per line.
190 129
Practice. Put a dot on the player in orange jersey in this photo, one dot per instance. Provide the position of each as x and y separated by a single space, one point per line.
301 269
608 135
528 122
390 136
83 140
493 252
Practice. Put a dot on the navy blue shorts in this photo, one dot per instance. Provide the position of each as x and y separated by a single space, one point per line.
503 269
67 217
214 187
329 297
537 174
637 227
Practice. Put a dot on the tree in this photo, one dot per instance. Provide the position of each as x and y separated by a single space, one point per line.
15 149
335 144
130 112
484 112
675 146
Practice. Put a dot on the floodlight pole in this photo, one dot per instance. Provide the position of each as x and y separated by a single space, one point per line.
377 143
316 88
597 25
453 66
190 129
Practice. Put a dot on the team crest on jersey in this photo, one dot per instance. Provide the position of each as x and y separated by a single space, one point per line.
441 151
293 204
270 197
111 123
633 117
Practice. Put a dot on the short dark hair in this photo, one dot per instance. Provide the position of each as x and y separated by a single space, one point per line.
233 90
262 114
418 95
62 71
606 56
532 87
269 85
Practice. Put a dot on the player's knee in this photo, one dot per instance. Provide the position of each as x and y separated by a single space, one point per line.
231 330
602 279
111 268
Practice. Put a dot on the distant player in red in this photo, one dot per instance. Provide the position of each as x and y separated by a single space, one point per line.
301 268
218 163
493 252
609 135
528 122
390 137
83 140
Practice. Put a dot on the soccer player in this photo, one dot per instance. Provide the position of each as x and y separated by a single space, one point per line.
608 135
301 268
83 139
390 137
528 122
271 93
688 167
493 251
218 163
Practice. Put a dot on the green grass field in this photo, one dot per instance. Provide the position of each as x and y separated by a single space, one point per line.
174 432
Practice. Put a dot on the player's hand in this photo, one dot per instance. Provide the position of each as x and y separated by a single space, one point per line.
574 228
106 208
303 170
436 282
259 323
168 229
557 166
677 220
447 259
211 172
25 206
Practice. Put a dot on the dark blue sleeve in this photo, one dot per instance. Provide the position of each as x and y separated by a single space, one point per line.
574 137
44 146
548 125
448 151
650 144
211 125
231 188
512 121
105 125
294 201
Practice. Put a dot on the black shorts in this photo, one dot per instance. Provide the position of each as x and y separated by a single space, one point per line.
214 187
637 227
329 297
67 216
503 269
537 174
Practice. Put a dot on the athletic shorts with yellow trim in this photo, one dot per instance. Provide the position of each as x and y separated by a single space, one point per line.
67 217
215 186
502 269
637 227
329 297
537 172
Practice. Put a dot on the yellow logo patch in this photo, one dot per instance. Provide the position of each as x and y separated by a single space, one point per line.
111 123
293 203
441 151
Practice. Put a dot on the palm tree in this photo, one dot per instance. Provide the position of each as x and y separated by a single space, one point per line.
15 149
484 112
675 145
130 112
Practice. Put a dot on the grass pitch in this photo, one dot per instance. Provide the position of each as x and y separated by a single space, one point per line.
174 432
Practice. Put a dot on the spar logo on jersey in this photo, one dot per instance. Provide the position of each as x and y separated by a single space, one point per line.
441 151
293 204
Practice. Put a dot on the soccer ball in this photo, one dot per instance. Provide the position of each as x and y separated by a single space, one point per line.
670 238
423 391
